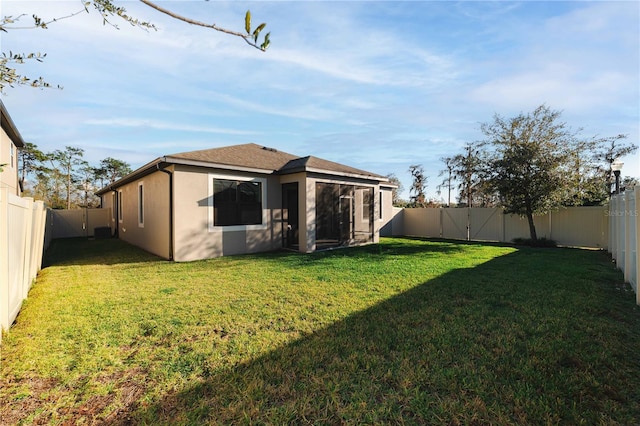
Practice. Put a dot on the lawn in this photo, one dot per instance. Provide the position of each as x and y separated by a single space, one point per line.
403 332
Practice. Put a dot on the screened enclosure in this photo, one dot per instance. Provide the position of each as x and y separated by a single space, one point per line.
344 215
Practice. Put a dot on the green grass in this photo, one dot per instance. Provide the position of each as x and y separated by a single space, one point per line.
404 332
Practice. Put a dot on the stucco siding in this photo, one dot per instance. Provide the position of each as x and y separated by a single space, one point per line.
385 220
153 234
196 237
9 174
303 202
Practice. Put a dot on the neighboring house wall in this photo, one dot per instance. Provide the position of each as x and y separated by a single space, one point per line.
10 142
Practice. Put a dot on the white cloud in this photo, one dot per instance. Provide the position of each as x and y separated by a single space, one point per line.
162 125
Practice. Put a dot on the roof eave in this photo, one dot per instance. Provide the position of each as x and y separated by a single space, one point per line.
136 174
334 173
10 128
198 163
153 165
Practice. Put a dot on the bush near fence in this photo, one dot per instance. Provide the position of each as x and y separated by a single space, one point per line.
624 235
22 244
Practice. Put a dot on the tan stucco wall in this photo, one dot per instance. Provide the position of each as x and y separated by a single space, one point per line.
9 174
306 199
389 214
195 239
154 236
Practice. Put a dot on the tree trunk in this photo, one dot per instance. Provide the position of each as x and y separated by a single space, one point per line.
532 226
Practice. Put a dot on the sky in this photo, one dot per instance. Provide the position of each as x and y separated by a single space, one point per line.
377 85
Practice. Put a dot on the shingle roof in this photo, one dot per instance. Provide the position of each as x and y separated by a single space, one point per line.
255 156
251 157
248 155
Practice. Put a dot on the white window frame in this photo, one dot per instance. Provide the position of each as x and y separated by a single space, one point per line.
12 154
119 207
210 212
140 212
380 204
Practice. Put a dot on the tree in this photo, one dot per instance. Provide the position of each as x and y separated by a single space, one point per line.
469 170
607 151
113 169
528 165
630 182
87 186
67 160
447 172
418 187
9 76
30 160
395 192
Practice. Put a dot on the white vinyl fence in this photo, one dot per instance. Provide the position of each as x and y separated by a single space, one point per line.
575 226
22 223
624 235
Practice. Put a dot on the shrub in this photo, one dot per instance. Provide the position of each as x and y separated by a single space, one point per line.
540 242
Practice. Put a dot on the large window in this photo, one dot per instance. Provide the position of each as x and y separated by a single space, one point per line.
237 202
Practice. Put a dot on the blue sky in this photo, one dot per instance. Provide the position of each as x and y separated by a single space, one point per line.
376 85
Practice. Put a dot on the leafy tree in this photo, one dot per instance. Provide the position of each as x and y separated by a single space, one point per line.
590 171
87 186
113 169
630 182
607 151
528 164
67 161
9 76
469 170
418 186
30 160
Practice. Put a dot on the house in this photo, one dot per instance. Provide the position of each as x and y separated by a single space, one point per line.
245 199
10 142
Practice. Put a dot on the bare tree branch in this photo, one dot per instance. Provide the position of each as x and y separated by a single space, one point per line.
246 37
38 23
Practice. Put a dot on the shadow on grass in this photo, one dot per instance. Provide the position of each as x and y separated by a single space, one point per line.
84 251
500 343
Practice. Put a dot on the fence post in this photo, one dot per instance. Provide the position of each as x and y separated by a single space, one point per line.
25 282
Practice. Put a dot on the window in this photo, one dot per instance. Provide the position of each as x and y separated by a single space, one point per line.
141 204
380 207
12 154
119 206
237 202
